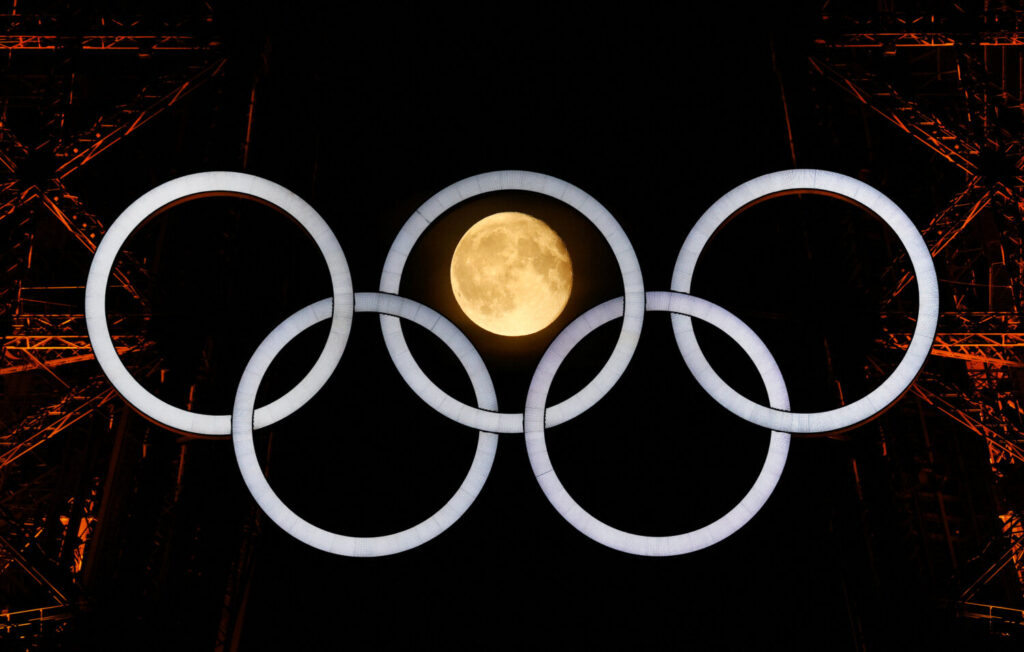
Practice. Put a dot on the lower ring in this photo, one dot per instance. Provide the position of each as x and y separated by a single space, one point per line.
292 523
636 544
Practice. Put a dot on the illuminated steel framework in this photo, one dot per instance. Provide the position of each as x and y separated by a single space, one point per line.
959 92
52 496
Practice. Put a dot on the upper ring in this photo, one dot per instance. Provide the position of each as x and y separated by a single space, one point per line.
625 256
858 192
205 184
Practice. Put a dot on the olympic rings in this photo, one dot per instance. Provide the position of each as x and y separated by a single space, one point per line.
485 417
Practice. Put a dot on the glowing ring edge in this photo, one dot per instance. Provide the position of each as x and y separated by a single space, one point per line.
234 183
563 191
916 354
655 546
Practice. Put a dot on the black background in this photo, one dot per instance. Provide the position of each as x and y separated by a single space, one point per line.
656 112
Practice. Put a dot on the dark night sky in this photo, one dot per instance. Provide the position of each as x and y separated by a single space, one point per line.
656 115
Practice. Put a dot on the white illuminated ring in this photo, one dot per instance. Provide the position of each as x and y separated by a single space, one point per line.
292 523
632 281
858 192
655 546
190 187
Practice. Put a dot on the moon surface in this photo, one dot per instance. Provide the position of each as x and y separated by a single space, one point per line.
511 274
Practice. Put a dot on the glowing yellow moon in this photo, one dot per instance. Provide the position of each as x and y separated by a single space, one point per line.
511 274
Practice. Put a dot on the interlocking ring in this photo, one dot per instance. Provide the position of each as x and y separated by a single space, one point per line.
632 283
861 194
571 511
252 473
536 416
209 184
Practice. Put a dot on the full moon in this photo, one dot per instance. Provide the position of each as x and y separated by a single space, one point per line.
511 274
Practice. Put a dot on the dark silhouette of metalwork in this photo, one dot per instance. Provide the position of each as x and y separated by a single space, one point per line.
954 81
51 494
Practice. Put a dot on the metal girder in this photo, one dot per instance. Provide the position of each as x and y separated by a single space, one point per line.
921 39
11 150
32 567
13 196
53 513
105 42
990 344
998 349
55 197
946 26
152 100
993 338
944 228
1001 552
927 128
977 416
991 612
13 621
69 211
986 96
46 341
951 221
64 325
49 421
25 356
89 230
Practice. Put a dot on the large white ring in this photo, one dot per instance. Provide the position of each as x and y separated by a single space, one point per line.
632 281
292 523
599 531
884 395
207 184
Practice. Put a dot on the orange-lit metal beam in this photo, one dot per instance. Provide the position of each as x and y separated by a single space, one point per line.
981 610
972 123
106 42
52 420
88 230
1012 543
946 226
998 349
944 27
55 362
62 342
1010 449
12 621
886 101
108 130
892 40
38 576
